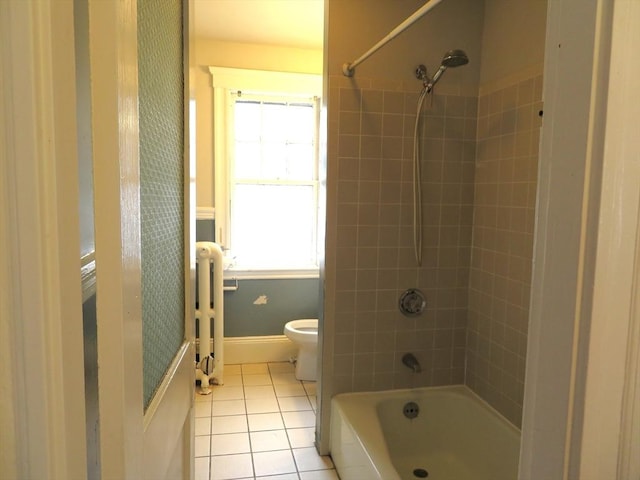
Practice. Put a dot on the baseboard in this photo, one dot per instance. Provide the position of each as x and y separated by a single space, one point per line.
272 348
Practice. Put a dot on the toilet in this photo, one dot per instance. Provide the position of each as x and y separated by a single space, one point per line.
304 334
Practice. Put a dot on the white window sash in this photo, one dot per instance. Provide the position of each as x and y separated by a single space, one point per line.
280 86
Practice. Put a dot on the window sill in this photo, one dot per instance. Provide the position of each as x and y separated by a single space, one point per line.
270 274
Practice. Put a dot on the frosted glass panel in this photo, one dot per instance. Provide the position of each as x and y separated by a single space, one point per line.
161 190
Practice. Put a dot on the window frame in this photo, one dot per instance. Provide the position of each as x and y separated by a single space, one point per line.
261 83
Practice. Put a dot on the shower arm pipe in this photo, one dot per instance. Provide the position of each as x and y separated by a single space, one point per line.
348 69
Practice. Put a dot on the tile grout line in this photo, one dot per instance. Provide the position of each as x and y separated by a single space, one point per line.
246 419
284 425
308 398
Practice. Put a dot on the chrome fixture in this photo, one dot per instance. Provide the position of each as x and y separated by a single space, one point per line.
421 74
411 410
412 302
411 361
452 59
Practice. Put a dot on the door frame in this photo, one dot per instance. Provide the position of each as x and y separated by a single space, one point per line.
581 388
42 414
42 408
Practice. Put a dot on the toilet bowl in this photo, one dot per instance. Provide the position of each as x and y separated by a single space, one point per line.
304 334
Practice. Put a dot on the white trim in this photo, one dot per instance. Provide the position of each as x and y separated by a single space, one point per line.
205 213
190 209
580 304
223 80
221 167
166 415
612 365
269 348
287 83
555 292
40 230
232 182
114 75
270 274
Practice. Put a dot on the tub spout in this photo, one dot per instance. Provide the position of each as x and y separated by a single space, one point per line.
412 362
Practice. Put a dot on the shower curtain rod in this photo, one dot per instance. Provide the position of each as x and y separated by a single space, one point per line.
348 69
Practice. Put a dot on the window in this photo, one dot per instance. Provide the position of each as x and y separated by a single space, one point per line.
273 183
266 185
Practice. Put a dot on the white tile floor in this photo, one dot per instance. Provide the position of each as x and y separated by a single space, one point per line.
259 425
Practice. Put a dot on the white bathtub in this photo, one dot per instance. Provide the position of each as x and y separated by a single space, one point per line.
456 436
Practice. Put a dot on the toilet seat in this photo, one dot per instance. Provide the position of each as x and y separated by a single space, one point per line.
304 330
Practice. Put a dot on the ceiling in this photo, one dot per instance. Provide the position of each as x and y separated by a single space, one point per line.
293 23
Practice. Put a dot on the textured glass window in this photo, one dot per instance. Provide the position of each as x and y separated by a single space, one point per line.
161 110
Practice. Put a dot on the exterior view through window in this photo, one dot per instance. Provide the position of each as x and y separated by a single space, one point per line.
273 184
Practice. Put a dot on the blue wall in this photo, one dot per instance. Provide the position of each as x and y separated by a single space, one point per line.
286 299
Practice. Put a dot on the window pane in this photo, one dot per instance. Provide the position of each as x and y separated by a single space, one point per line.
274 160
301 123
248 163
276 119
273 226
300 162
247 121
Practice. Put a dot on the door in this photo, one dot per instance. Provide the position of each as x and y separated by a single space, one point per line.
43 416
146 375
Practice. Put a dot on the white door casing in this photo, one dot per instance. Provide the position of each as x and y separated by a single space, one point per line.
42 412
42 397
581 391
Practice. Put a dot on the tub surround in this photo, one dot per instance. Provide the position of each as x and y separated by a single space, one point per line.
480 143
374 260
369 258
509 120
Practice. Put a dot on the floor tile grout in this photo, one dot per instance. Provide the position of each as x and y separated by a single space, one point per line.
259 373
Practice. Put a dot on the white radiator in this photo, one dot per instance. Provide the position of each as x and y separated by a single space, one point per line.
210 367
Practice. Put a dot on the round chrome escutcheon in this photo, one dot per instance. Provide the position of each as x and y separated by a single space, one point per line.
412 302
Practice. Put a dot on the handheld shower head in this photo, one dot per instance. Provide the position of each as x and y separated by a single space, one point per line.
451 59
455 58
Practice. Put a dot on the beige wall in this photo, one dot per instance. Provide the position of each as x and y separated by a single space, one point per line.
513 38
355 26
504 204
235 55
501 260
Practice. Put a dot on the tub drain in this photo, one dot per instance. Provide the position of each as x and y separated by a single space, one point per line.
411 410
420 473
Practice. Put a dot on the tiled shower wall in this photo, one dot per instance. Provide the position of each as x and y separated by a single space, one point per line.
369 164
504 212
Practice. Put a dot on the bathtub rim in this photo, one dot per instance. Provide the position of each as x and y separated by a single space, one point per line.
350 407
